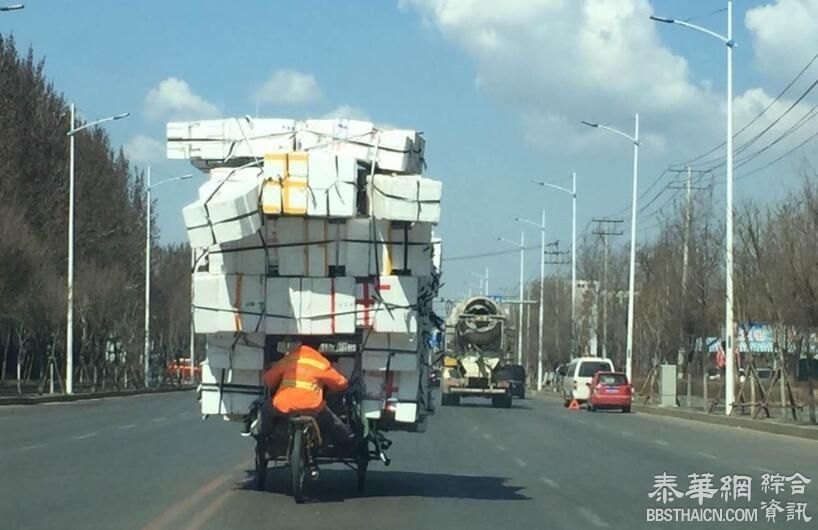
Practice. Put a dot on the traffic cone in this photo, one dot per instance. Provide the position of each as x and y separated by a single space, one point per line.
574 405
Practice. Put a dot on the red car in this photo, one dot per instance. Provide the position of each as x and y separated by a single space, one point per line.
610 390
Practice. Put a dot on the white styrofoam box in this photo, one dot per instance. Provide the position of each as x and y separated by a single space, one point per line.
228 302
198 227
245 256
391 149
404 198
327 306
332 185
387 304
372 408
384 343
399 362
437 254
410 249
346 366
405 385
243 353
229 392
283 305
406 412
229 138
232 207
361 258
309 247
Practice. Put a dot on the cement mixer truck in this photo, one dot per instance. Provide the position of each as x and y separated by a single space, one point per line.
477 347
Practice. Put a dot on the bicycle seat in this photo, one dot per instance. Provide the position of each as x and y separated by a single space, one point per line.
301 418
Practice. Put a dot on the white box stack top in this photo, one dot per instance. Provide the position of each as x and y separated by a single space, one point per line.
314 227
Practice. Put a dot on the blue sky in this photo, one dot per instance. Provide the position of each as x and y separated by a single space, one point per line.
498 90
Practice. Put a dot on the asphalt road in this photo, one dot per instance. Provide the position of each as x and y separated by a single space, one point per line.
150 463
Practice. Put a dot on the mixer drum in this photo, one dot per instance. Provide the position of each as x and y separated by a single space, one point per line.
480 322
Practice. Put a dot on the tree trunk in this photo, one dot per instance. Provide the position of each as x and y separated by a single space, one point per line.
5 358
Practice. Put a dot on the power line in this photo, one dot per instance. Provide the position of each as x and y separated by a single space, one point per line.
490 254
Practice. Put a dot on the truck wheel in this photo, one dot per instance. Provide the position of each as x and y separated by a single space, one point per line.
501 402
450 400
626 409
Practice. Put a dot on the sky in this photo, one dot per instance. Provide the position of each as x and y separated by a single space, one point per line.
499 90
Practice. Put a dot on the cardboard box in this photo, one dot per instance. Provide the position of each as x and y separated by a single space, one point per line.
226 351
399 362
309 247
403 386
387 304
198 227
404 198
284 190
228 302
229 392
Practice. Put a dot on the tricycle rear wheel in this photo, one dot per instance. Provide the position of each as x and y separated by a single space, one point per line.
297 465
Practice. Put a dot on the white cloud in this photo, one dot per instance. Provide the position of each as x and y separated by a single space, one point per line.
288 87
142 149
347 111
785 35
173 99
557 62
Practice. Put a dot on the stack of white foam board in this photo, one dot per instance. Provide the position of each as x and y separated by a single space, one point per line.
316 227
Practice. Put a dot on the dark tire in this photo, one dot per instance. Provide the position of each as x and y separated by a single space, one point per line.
260 478
297 466
627 409
501 402
450 400
590 407
360 469
565 400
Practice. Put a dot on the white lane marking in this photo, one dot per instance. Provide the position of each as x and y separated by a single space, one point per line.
591 517
486 435
661 442
85 436
627 433
4 418
548 482
161 418
764 470
707 455
129 426
520 462
474 428
30 447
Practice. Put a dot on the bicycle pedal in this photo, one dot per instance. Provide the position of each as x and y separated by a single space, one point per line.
314 474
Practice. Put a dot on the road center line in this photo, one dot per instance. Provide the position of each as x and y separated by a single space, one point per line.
129 426
161 418
84 436
486 435
627 433
764 470
500 447
30 447
591 517
661 442
4 418
520 462
548 482
707 455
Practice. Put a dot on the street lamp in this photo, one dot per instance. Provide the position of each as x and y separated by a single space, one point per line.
12 7
729 389
635 140
69 339
148 189
522 295
573 193
542 290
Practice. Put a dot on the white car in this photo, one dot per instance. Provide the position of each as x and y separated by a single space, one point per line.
579 374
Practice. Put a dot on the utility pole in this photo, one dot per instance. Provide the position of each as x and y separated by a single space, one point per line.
688 224
605 229
556 257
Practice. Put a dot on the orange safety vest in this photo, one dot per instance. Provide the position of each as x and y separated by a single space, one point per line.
300 378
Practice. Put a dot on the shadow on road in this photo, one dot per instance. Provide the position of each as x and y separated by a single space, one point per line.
338 485
486 405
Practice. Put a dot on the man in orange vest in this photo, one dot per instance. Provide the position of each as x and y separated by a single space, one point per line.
298 381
